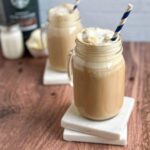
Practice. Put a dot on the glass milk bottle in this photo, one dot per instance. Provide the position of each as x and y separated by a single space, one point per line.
63 26
98 74
12 42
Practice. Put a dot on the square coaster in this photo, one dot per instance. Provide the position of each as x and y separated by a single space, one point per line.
52 77
110 129
70 135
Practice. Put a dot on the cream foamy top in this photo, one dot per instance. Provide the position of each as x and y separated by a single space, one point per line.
63 13
95 36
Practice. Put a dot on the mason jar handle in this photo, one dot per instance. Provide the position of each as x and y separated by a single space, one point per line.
70 72
43 28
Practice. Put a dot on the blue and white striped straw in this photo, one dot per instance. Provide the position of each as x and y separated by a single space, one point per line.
122 22
75 6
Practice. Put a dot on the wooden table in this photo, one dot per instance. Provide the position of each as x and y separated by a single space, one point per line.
30 113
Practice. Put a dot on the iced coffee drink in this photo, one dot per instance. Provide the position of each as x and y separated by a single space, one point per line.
98 74
64 24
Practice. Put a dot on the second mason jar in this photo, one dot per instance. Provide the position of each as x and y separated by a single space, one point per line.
98 74
63 26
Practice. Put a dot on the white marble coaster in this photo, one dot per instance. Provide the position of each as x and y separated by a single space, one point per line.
110 129
53 77
70 135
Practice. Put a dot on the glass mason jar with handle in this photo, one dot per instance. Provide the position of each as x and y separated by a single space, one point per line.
98 76
63 26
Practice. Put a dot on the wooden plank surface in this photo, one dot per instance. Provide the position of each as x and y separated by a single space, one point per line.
30 113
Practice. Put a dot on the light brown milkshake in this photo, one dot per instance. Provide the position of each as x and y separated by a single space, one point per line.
98 74
62 30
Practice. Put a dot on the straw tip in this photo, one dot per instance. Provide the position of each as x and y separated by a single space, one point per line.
130 6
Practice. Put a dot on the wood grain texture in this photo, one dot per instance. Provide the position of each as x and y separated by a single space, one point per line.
30 113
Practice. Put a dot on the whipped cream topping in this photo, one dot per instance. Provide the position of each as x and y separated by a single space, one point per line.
60 10
63 11
95 36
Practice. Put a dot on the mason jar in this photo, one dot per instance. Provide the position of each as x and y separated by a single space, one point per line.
98 79
62 31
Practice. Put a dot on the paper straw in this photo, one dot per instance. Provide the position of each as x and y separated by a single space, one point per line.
75 6
122 22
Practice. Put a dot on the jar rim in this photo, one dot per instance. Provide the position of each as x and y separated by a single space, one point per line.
64 23
11 28
92 52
